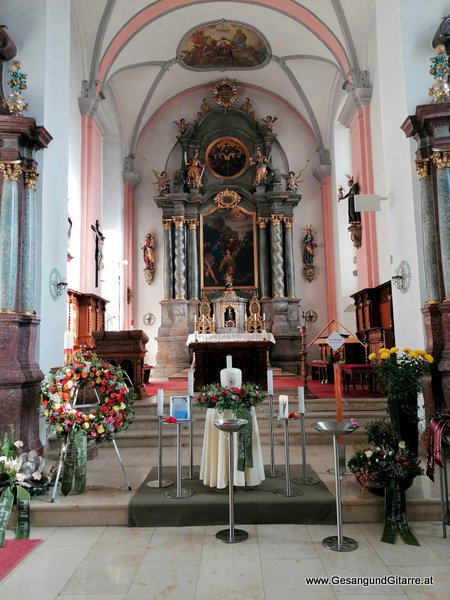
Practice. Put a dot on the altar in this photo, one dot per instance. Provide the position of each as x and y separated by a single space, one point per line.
214 462
250 353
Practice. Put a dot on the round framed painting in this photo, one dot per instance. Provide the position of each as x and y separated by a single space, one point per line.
227 157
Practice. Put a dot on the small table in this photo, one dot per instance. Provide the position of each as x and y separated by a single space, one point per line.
214 463
352 371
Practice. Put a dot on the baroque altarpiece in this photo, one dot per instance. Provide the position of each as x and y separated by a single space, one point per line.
227 226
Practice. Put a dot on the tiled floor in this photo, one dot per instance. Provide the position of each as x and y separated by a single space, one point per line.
118 563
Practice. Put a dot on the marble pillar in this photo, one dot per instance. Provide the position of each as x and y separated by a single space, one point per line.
442 161
9 235
192 251
277 256
263 257
180 259
168 259
289 256
28 243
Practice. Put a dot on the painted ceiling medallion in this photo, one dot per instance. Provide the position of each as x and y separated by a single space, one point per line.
223 45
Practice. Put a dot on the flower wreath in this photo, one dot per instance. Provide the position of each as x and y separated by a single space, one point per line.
60 390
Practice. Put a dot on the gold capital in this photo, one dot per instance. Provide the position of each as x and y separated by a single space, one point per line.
11 170
289 221
441 159
422 167
179 221
276 219
167 223
30 178
262 222
192 224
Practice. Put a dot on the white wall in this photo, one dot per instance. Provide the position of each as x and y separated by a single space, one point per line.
41 31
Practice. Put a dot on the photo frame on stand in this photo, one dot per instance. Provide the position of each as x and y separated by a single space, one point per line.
179 408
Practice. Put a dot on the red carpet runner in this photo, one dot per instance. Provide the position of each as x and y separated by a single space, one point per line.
13 552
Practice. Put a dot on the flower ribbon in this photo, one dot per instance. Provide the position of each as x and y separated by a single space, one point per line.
23 512
75 457
395 520
245 450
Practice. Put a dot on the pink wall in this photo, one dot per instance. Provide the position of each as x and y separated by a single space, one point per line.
91 199
328 247
128 252
367 255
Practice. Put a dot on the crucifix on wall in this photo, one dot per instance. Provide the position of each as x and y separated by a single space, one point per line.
99 242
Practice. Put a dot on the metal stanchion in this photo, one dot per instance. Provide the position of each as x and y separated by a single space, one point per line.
190 471
231 535
304 479
288 491
272 472
338 543
160 482
178 492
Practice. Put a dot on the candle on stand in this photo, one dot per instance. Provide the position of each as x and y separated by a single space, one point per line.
264 316
160 403
301 400
229 361
283 406
270 382
190 382
68 340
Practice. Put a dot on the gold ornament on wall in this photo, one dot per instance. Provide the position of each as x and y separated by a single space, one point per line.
149 258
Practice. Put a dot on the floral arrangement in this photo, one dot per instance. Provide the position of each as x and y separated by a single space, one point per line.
386 459
113 399
237 400
21 475
400 372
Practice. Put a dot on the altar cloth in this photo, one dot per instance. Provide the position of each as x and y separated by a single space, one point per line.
214 463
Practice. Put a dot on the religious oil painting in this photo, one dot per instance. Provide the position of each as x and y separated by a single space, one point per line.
227 157
223 45
228 249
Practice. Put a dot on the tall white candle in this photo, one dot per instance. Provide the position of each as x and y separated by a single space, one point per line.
270 382
68 340
190 382
160 406
301 400
229 361
264 316
283 406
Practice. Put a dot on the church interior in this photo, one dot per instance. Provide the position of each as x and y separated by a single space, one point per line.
241 191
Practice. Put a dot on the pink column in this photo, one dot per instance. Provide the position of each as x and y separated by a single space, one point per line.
128 252
367 255
328 246
91 199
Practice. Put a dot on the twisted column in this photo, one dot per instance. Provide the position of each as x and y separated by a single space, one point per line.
289 256
168 259
28 243
9 235
180 259
277 256
442 161
192 259
263 256
429 233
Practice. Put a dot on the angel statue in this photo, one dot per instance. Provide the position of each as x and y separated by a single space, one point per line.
182 125
269 122
294 178
162 181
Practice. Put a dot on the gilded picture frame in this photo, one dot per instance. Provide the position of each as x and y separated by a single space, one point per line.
227 157
228 248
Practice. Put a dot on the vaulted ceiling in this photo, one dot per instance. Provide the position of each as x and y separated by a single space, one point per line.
131 54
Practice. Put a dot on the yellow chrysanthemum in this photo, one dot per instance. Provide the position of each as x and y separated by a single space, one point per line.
414 354
406 350
393 350
383 350
428 358
372 356
385 355
419 352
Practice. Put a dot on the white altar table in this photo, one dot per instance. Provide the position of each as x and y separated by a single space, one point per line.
214 463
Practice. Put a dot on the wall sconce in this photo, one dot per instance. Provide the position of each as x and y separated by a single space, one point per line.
402 277
56 284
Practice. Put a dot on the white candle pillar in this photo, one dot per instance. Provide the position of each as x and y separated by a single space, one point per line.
229 361
270 382
160 403
190 382
301 400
